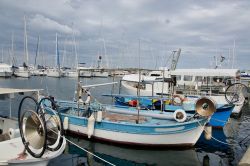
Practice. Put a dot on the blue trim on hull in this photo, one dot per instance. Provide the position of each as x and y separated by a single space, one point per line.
218 119
144 129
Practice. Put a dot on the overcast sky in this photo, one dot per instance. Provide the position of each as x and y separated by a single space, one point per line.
202 29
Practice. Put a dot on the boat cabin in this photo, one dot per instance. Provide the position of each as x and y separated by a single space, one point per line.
198 78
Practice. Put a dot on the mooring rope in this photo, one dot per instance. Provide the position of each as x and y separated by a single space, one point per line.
85 150
216 138
89 152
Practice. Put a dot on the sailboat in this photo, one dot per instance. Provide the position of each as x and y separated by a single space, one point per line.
23 71
37 70
5 69
99 71
56 72
73 72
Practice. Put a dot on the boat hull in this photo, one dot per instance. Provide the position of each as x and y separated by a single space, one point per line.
23 74
100 74
54 73
183 134
5 74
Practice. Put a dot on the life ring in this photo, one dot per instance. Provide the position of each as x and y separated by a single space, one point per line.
178 100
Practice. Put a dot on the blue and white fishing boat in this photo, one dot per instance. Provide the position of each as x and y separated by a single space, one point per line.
131 127
218 119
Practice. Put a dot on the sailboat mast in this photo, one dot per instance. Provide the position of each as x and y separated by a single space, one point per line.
139 83
26 54
12 49
57 54
233 59
76 56
37 50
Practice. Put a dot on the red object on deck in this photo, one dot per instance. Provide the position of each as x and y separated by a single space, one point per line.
132 103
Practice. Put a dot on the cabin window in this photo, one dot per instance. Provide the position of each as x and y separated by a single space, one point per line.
198 78
207 79
217 79
187 78
178 78
155 75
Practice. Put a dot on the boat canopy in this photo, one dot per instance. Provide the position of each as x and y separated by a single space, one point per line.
208 72
6 92
12 90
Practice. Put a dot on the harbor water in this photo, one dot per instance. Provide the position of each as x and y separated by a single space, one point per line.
227 147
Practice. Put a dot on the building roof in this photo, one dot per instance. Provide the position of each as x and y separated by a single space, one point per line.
207 72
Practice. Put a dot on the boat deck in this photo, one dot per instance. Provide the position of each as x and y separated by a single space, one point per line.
119 117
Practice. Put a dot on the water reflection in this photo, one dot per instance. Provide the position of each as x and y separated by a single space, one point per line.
128 156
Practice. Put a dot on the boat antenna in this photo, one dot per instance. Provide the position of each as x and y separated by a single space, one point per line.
139 83
26 53
162 88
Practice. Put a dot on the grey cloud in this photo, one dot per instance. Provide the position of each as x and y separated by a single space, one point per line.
200 28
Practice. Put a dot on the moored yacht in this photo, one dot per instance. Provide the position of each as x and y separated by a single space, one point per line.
5 70
22 72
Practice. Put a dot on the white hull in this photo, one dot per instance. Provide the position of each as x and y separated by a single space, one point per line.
22 73
188 138
85 74
5 70
133 91
38 73
12 148
71 74
131 88
5 74
100 74
54 73
238 107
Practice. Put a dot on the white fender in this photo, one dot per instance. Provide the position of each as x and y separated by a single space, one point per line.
87 100
91 125
66 123
208 132
99 116
13 133
80 101
180 115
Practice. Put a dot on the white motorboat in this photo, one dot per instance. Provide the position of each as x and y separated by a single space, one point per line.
71 73
54 73
5 70
28 143
22 72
